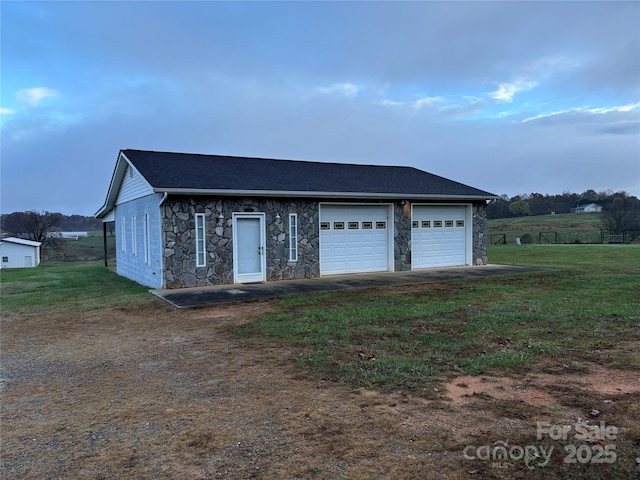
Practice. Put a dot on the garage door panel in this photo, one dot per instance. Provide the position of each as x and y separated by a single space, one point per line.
439 236
359 246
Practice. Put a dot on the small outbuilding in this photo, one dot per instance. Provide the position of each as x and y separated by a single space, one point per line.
19 253
185 220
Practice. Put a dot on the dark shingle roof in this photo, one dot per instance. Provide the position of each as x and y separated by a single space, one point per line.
189 172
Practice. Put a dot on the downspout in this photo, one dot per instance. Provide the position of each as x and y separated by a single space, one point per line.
104 241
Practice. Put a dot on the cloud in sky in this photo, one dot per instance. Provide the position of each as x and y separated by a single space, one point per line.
423 102
33 96
510 97
587 110
506 91
346 89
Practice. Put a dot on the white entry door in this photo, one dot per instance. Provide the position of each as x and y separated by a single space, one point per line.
249 263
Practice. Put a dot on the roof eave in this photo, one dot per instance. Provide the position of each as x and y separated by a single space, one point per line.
315 194
103 212
21 241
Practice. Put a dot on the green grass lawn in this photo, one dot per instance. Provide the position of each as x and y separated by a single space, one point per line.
586 309
71 288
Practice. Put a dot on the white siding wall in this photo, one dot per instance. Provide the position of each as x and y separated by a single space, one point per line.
143 267
133 186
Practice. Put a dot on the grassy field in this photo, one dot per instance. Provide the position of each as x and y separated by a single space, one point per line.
561 228
587 308
562 220
84 249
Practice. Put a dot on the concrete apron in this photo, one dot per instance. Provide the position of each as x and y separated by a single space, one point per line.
243 292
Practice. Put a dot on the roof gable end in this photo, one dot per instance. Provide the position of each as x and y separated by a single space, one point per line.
121 188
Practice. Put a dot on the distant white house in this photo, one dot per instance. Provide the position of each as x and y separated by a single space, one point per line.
587 208
19 253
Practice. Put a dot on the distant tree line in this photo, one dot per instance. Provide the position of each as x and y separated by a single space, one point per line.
35 226
79 223
537 204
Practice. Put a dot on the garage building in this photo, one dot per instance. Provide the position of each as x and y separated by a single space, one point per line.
186 220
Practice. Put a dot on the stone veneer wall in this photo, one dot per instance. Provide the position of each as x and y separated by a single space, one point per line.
178 229
479 246
402 236
178 222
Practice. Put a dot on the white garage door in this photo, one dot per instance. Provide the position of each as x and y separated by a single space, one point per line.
353 239
438 236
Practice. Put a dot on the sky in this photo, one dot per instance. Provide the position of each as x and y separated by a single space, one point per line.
509 97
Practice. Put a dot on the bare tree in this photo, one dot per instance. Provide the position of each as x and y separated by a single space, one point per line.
31 225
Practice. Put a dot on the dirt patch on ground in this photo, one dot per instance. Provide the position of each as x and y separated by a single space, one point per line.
154 392
533 388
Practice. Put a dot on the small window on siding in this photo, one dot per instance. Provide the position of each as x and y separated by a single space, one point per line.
134 246
459 223
381 225
353 225
200 241
426 223
293 237
367 225
147 240
338 225
414 224
123 235
5 259
448 223
325 225
437 224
